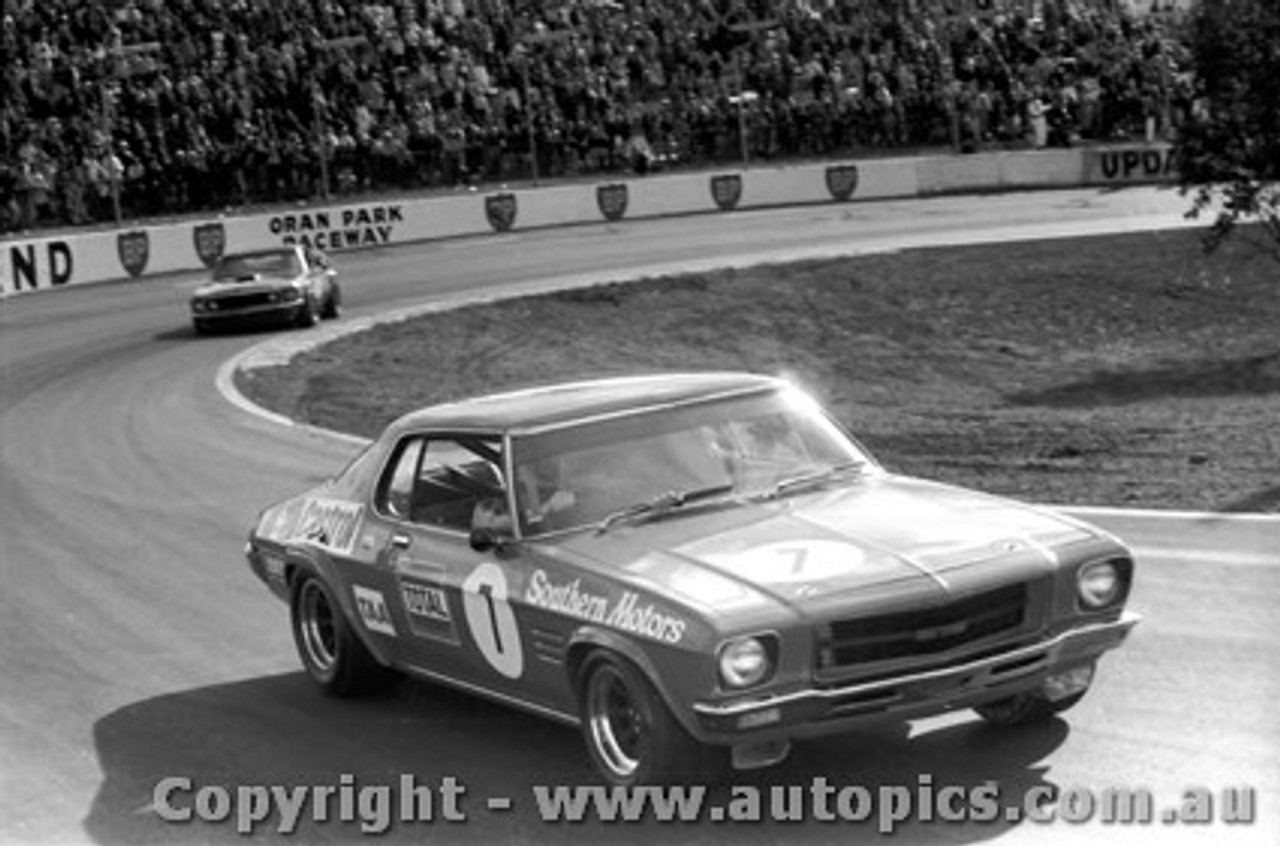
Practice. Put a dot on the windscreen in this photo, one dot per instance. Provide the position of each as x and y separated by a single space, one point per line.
581 474
250 265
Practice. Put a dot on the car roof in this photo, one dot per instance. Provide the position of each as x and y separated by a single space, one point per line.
562 404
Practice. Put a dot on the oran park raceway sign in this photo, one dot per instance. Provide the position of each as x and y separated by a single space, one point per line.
353 227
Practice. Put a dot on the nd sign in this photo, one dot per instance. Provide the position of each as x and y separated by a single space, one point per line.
28 267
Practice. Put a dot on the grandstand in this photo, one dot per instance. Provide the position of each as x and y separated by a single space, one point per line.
133 108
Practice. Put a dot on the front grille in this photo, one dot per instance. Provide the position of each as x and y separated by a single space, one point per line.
234 302
925 631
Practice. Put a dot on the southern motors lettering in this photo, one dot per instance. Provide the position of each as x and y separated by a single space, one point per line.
328 523
627 614
358 226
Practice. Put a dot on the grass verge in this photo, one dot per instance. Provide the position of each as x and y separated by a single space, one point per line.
1126 370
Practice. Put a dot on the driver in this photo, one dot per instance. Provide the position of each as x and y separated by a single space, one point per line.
542 491
491 513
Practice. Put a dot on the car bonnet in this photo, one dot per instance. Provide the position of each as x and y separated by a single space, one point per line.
874 537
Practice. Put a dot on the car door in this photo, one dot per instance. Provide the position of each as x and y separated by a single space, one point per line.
433 488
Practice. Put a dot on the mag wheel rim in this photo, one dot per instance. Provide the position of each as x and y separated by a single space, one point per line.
319 634
617 727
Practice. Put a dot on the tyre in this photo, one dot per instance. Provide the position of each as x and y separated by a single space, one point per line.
630 733
332 653
1024 708
332 303
309 313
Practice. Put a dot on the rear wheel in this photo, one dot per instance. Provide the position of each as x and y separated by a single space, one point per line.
630 733
331 651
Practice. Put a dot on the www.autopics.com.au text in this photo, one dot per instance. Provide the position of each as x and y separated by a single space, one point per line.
376 808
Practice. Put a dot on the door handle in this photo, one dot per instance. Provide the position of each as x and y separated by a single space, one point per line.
400 541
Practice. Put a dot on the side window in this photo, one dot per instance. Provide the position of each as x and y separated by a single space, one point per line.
445 482
395 494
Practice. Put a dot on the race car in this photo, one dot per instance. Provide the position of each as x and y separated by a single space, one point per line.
292 284
697 569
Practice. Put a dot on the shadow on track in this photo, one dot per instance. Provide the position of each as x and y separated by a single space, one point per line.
242 329
278 730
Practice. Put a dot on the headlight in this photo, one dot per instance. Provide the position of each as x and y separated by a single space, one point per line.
288 295
1098 584
745 662
199 306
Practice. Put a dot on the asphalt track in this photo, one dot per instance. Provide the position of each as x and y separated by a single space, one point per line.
135 645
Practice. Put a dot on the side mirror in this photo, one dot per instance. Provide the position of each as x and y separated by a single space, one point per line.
483 540
487 540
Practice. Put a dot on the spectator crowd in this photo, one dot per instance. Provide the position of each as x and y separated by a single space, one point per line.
148 107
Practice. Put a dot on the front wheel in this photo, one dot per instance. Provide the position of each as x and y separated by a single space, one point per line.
1024 708
332 303
331 651
309 312
631 735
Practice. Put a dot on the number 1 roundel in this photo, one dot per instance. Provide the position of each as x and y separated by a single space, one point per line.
491 620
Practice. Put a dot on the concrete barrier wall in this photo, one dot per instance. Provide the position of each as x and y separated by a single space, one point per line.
1001 171
958 174
1041 169
56 261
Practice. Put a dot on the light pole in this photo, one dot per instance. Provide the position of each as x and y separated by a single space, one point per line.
109 94
318 103
115 174
522 56
522 52
750 28
322 143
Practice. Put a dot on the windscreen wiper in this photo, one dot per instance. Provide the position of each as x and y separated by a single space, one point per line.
811 478
661 503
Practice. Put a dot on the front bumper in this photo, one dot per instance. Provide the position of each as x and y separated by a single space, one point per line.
264 311
818 711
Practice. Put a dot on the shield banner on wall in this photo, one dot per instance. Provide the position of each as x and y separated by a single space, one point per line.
501 210
842 181
210 240
612 200
134 249
726 190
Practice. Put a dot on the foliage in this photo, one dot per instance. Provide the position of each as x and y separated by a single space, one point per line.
1229 150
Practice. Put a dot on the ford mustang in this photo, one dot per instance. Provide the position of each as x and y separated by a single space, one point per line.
688 567
292 284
